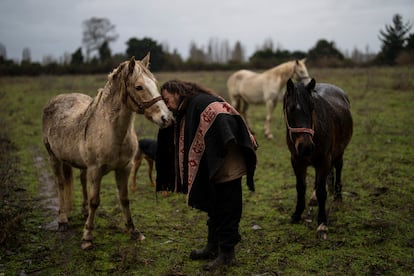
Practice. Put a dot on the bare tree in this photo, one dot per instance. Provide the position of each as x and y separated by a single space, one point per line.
96 32
196 54
26 57
238 54
218 51
3 53
48 59
268 44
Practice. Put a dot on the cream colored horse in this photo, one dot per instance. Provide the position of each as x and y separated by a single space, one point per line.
97 136
246 87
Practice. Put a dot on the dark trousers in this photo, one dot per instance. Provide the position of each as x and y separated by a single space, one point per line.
224 214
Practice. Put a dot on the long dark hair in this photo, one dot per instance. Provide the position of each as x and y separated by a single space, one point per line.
185 89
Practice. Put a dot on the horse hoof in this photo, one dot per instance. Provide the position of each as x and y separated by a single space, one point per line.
313 201
85 245
295 219
269 137
63 226
322 231
136 235
309 215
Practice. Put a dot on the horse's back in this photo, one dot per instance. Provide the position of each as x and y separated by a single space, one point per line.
339 112
333 94
234 82
63 122
65 107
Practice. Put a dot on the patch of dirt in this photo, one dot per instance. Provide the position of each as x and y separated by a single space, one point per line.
47 191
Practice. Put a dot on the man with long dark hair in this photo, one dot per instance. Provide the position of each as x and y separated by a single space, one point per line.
205 154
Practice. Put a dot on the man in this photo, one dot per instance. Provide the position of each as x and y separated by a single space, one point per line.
205 154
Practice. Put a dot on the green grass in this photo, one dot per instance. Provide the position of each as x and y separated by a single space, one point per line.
370 233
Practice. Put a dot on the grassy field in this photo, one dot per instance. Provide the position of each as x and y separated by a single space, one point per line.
370 233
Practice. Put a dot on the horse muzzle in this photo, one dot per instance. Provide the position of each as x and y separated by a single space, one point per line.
159 114
304 145
304 148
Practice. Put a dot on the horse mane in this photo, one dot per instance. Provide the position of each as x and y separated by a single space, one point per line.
122 68
102 94
324 110
286 69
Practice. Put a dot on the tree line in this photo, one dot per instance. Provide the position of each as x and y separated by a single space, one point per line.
397 48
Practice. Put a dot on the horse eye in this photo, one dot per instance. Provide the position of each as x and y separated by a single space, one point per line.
138 87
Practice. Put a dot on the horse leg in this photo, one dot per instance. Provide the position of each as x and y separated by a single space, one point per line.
300 172
338 181
270 105
137 164
330 182
243 107
94 177
235 101
150 168
121 176
83 179
60 182
320 185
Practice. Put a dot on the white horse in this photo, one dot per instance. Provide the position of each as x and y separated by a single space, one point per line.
246 87
96 135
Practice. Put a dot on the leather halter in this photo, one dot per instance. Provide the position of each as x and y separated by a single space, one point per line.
141 106
306 130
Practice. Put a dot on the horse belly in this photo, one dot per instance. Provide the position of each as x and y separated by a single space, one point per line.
109 150
63 126
252 92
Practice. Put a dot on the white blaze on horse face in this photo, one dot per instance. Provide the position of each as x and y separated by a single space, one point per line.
163 115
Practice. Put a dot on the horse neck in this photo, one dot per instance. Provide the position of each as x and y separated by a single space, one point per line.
322 115
114 108
284 70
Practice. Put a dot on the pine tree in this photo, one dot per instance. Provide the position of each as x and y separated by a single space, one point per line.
393 40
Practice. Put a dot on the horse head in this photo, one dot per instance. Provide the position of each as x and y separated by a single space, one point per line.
300 72
141 93
299 116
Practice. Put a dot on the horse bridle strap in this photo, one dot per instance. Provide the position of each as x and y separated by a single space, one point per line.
301 130
309 131
144 105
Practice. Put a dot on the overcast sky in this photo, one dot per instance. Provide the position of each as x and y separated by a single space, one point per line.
54 27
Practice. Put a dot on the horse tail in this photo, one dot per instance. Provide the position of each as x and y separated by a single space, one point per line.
67 176
68 190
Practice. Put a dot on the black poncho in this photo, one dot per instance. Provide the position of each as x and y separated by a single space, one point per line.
188 157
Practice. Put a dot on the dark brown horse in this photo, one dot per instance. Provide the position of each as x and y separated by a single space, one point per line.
319 127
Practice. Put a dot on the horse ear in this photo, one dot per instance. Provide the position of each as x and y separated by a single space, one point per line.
289 86
131 65
311 85
145 60
303 60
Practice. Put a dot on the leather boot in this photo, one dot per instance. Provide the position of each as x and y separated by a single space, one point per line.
208 252
225 258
